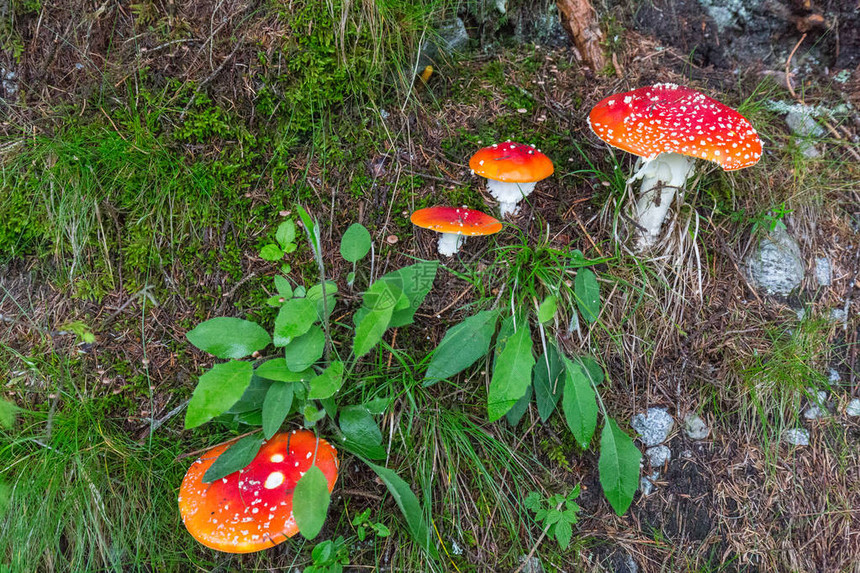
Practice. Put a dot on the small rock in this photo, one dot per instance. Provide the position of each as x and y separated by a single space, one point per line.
776 265
834 376
533 565
838 315
823 271
803 125
658 455
653 426
796 436
853 407
647 484
818 405
695 427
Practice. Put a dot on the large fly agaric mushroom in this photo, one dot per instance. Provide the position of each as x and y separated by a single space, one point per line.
455 224
252 509
512 170
669 126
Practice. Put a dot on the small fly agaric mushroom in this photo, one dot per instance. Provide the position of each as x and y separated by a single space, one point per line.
512 170
455 224
668 126
252 509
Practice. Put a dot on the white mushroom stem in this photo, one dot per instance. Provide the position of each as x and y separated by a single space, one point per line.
661 177
509 194
450 243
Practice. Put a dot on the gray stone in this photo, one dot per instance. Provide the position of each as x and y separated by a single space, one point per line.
833 376
658 455
453 36
796 436
695 427
776 265
853 407
533 565
839 315
817 405
803 125
647 484
823 271
653 426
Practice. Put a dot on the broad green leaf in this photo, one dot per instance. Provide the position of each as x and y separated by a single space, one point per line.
303 351
463 345
227 337
286 233
254 418
409 506
217 390
355 243
279 400
312 414
511 373
359 428
415 281
253 396
314 295
618 466
548 381
283 286
271 252
547 309
7 414
327 383
579 403
294 319
234 458
380 299
592 369
515 414
563 533
378 405
587 292
310 502
276 369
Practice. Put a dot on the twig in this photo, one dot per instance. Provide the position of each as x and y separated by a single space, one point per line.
788 68
158 423
539 539
245 279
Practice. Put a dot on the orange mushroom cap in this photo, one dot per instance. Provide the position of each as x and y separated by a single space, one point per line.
512 163
457 220
252 509
672 118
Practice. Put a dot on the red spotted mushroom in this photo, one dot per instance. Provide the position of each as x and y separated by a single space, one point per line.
252 509
455 224
670 126
512 170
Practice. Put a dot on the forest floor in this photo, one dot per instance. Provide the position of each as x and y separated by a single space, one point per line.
149 150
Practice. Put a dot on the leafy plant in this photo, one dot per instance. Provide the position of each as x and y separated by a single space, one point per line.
354 246
557 513
302 381
285 244
365 525
329 556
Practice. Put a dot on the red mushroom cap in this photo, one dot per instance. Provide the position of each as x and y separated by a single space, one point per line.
252 509
459 220
671 118
511 162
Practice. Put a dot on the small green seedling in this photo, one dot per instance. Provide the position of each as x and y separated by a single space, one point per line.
557 514
285 237
365 525
354 246
329 556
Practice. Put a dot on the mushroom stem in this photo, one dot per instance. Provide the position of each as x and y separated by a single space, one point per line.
509 194
450 243
661 177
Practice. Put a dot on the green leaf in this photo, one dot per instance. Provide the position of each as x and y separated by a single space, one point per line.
286 233
234 458
227 337
618 466
276 369
587 292
591 368
377 405
310 229
303 351
312 414
271 252
563 533
381 300
314 295
7 414
279 400
547 309
310 502
294 319
511 373
548 382
359 428
463 345
327 383
283 286
253 396
409 506
414 281
217 390
579 403
355 243
518 410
